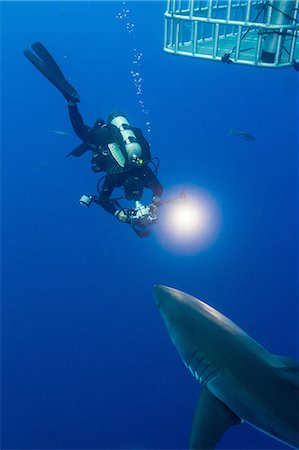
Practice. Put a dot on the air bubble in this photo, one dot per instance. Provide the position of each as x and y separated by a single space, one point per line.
137 56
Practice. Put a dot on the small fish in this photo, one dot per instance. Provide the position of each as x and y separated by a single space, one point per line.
242 134
58 132
41 165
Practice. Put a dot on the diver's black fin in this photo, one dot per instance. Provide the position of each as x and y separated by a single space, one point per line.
79 151
49 68
45 56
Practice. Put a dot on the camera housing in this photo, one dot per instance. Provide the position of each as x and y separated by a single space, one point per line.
86 200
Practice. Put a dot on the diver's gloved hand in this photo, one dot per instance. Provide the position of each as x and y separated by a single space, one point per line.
156 200
96 169
121 215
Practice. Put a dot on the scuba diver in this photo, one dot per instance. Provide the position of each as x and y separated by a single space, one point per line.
117 148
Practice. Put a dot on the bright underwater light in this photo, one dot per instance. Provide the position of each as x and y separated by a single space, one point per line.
191 225
185 219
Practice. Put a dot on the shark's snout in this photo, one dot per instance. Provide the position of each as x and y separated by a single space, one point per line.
162 294
168 301
158 289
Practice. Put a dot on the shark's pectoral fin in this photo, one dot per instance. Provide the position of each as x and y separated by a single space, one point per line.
211 420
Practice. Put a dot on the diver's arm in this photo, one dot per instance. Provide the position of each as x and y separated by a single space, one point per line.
104 198
81 130
152 182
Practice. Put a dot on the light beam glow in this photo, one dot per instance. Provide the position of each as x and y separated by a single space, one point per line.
190 226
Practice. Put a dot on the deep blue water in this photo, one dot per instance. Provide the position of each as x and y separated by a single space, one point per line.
86 359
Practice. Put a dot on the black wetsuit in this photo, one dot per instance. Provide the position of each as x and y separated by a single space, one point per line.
95 139
133 180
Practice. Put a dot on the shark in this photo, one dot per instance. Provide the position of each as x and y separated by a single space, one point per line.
241 381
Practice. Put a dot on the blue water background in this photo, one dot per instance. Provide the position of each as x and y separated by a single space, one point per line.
86 359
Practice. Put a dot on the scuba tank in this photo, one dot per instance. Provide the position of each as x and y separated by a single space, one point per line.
131 145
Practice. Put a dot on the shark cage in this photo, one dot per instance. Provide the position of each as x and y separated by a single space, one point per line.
252 32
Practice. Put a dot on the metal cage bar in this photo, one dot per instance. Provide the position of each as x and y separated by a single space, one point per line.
253 32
